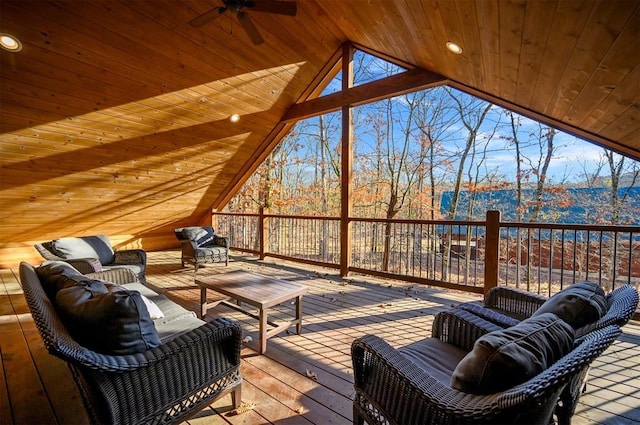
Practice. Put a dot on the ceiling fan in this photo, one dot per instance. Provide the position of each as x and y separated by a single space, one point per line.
280 7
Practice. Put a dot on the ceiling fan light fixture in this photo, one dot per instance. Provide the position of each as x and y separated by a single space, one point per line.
10 43
234 118
454 47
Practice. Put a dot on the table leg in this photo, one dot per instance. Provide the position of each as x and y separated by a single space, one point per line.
263 331
203 301
299 314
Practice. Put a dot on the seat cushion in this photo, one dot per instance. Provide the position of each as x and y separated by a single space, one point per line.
579 304
97 246
502 359
107 319
176 319
201 235
435 356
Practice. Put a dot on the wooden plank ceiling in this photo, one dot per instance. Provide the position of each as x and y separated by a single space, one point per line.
114 116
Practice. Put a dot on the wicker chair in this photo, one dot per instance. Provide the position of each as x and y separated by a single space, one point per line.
506 307
391 389
166 384
200 245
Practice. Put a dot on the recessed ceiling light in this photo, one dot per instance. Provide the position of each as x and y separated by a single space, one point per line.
454 47
10 43
234 118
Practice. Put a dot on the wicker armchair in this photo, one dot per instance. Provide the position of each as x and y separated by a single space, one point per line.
391 389
506 307
166 384
200 245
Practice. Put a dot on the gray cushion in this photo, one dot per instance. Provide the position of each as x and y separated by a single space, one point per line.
177 319
107 319
201 235
502 359
97 246
436 357
579 304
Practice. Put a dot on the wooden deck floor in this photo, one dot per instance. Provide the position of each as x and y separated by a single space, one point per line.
301 379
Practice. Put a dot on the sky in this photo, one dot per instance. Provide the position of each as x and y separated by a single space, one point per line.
573 156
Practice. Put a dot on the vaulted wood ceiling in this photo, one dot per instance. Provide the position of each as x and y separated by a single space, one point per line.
114 116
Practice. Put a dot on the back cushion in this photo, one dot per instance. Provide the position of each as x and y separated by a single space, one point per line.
107 319
98 246
579 304
503 359
201 235
56 275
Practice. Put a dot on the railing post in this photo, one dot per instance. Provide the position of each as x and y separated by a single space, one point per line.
263 225
491 250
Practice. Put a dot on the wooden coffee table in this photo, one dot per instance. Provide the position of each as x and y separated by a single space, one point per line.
256 290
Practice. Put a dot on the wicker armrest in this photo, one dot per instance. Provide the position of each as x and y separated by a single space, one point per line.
460 328
130 256
86 265
221 241
218 340
492 316
118 276
513 302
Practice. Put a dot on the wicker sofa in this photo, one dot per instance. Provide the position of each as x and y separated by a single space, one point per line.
90 254
415 384
161 367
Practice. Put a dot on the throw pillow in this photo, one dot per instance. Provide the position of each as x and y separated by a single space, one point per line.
201 235
152 308
56 275
503 359
578 305
108 320
98 246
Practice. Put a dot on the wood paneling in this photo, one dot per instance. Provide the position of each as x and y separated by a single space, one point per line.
114 116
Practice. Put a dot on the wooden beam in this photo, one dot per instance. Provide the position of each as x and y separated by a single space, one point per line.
409 81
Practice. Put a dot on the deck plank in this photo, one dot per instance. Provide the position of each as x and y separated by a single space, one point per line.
335 311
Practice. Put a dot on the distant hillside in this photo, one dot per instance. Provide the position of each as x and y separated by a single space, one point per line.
571 205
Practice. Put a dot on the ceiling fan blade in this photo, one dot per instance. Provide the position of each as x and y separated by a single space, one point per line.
249 27
207 17
280 7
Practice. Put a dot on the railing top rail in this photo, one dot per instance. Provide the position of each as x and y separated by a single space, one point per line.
303 217
527 225
236 213
562 226
409 221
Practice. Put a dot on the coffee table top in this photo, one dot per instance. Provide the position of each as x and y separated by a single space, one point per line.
254 289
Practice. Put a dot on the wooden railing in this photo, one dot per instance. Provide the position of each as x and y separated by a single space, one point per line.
472 256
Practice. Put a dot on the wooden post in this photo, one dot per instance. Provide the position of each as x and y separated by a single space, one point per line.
491 262
214 219
263 229
347 159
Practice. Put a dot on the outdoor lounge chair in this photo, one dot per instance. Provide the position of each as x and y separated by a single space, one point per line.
396 386
200 245
506 307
